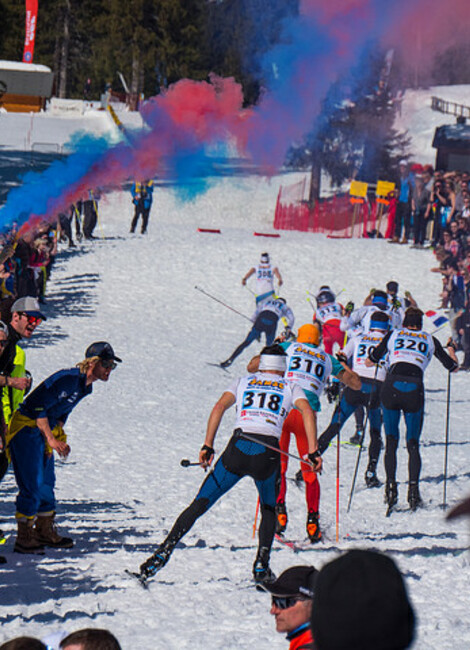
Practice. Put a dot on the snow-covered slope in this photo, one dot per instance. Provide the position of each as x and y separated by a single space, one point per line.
123 485
418 118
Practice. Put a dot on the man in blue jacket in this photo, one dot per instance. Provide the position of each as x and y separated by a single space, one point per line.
142 195
35 431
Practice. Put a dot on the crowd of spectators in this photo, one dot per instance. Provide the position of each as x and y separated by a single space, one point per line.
433 210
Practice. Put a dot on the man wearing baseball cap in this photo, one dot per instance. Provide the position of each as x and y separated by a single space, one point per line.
14 379
35 431
291 598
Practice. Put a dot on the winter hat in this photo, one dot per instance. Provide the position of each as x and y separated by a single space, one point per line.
379 299
308 333
28 305
296 581
273 357
102 350
361 603
392 286
379 321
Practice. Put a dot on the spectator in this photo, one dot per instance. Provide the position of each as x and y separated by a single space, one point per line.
419 205
90 639
23 643
89 209
361 603
291 604
35 431
403 207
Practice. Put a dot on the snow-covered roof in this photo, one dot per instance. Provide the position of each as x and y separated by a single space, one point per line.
456 136
27 67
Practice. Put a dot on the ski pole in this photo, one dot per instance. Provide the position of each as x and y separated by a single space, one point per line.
256 518
184 462
444 500
222 303
338 445
279 451
362 441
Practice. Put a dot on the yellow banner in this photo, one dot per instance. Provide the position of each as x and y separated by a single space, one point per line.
384 188
358 189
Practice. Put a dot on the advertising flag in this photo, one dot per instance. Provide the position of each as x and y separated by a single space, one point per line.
30 35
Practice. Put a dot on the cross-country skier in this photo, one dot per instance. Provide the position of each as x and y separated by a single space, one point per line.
329 314
361 316
265 320
368 395
410 350
265 275
263 401
310 367
35 431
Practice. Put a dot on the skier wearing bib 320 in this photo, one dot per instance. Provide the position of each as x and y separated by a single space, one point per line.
263 401
309 367
410 350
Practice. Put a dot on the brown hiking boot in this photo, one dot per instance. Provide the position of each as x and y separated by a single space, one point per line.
47 534
26 539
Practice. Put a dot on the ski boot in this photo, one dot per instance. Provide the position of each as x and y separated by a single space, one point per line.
357 438
155 562
414 497
372 480
261 571
313 527
226 363
391 494
281 518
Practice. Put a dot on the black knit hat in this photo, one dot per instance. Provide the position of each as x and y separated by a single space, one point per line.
361 603
296 581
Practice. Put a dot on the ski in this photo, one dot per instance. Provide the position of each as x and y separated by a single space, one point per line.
294 545
142 579
217 365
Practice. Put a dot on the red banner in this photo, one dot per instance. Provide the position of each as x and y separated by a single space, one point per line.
31 20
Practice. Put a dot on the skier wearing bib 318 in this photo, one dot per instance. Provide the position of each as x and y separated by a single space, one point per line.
263 401
309 367
410 350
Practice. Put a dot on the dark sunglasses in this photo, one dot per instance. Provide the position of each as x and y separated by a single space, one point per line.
284 602
32 320
108 363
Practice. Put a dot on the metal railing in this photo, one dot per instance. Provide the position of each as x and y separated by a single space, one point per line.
450 108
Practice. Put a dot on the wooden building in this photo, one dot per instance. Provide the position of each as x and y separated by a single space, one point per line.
24 87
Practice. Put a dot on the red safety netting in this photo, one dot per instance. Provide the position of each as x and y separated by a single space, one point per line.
338 216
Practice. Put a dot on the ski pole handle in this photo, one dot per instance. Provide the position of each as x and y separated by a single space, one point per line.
184 462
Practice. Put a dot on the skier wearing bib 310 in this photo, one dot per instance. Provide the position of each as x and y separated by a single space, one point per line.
309 367
410 350
263 401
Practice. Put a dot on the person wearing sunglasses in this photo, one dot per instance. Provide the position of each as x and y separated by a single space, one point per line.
35 432
291 604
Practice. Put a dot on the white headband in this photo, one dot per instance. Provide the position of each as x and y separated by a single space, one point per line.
272 362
